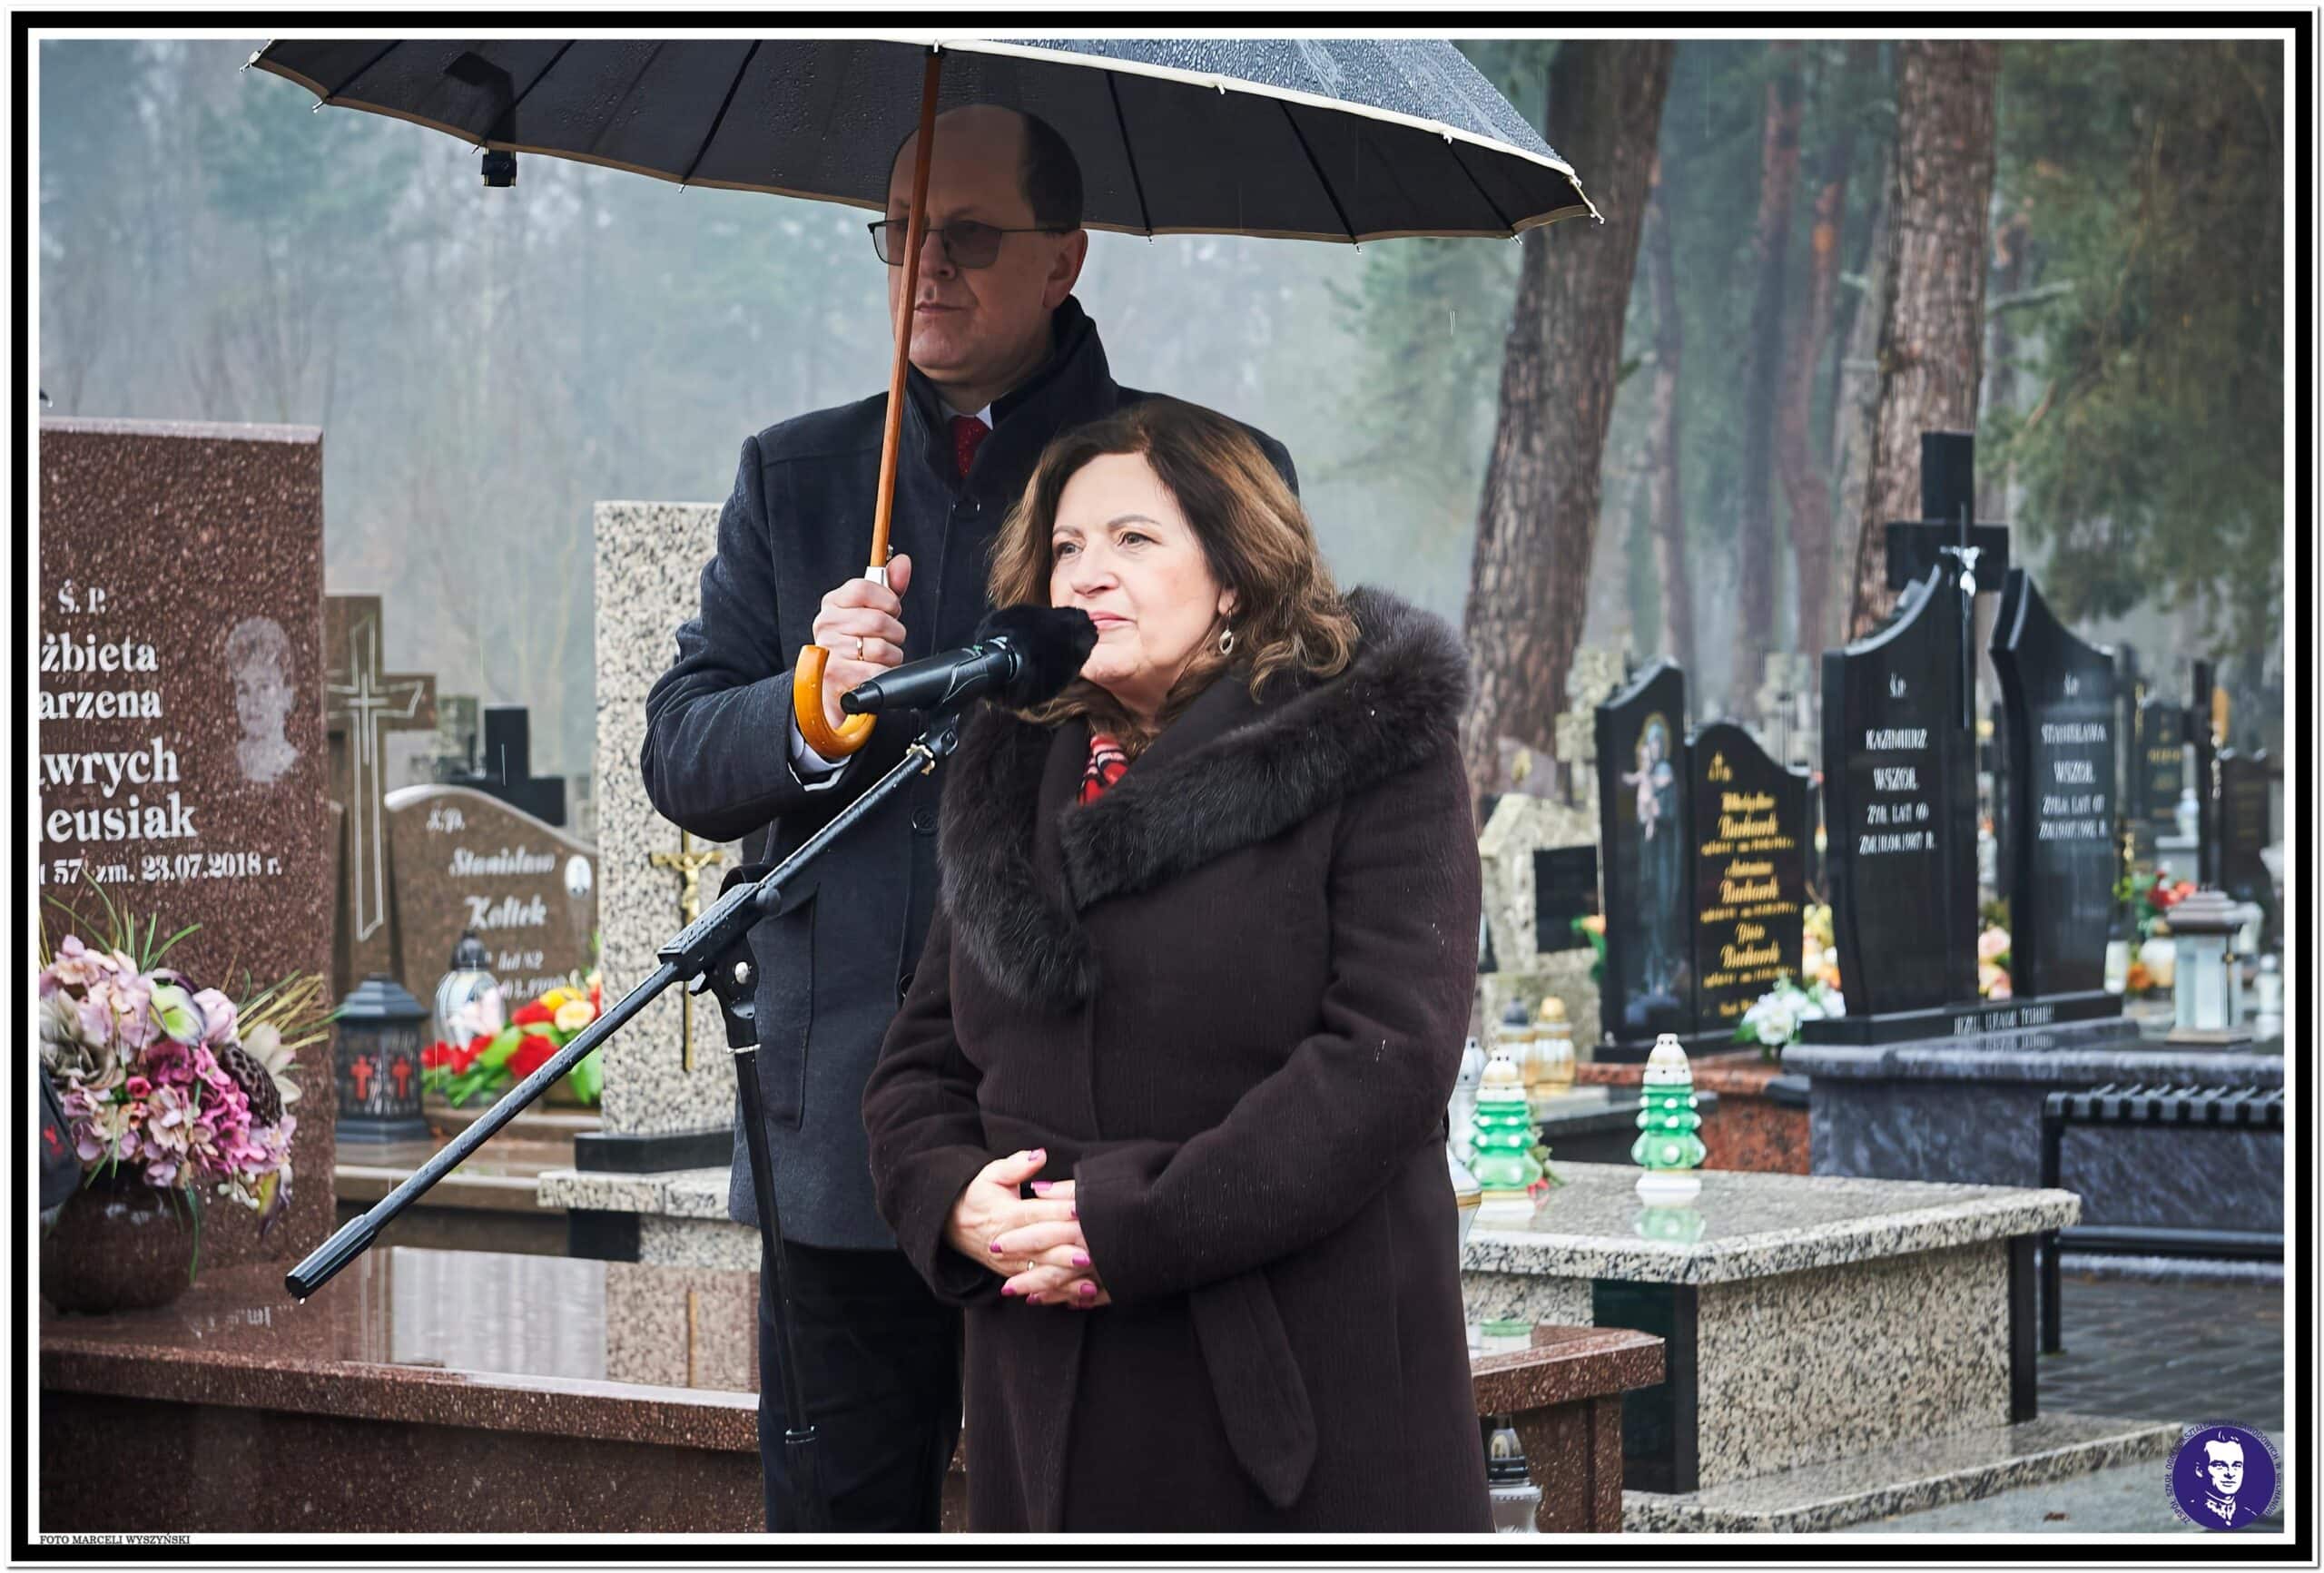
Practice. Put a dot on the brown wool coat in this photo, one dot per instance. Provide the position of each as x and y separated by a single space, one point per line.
1229 999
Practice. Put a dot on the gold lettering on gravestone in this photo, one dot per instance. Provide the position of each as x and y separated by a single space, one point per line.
689 864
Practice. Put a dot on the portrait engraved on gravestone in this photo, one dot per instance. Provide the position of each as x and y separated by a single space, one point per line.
258 662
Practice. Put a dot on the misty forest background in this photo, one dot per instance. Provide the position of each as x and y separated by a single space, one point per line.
486 365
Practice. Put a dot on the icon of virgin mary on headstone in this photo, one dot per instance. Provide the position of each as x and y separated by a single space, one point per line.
1660 847
1646 858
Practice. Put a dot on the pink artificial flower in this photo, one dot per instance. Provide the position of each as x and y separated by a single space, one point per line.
217 1016
137 1086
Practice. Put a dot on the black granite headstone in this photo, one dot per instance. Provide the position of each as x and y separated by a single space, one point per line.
2196 724
1565 887
1750 857
1900 804
2059 699
505 767
1649 986
2161 767
2244 832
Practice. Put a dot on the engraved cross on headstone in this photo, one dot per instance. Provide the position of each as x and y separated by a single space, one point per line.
360 702
689 864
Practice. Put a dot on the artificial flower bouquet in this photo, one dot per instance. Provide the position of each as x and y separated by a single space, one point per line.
164 1081
490 1062
1774 1018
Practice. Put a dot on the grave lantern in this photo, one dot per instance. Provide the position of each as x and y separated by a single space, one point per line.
469 1003
1552 1049
2209 1004
376 1061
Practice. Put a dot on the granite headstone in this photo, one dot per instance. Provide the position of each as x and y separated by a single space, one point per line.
1644 831
2063 862
464 860
663 1107
504 766
1750 882
2161 755
2244 817
1900 797
458 727
182 764
363 705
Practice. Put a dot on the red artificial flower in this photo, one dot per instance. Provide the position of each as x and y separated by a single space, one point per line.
436 1054
531 1054
531 1012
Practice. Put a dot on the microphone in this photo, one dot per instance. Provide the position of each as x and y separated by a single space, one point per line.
1021 655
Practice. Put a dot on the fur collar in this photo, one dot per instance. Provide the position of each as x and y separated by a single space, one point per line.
1226 774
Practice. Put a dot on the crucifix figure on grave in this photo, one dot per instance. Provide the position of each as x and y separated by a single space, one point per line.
361 1073
360 702
689 864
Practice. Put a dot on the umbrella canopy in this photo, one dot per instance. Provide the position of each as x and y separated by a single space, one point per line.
1346 140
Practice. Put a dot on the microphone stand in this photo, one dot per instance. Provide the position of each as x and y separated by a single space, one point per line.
712 953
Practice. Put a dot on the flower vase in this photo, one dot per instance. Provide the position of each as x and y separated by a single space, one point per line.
118 1245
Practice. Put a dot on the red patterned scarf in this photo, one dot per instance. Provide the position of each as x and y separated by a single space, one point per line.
1106 763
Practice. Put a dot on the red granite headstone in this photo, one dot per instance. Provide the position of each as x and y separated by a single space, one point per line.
464 860
363 705
181 759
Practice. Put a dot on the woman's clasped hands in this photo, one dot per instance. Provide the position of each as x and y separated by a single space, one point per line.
1036 1246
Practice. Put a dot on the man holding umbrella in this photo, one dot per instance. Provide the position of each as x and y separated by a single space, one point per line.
1004 359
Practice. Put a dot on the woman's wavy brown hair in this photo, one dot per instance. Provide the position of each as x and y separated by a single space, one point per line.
1255 535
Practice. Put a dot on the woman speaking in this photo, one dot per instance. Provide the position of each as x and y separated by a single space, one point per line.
1198 982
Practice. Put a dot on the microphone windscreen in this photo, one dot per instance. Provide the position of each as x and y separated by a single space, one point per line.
1053 640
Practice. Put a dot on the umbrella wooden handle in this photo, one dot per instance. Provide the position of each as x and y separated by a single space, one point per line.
807 704
807 676
807 699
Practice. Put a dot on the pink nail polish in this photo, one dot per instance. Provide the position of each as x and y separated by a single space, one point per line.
1072 1211
1080 1260
1008 1289
996 1247
1041 1188
1088 1291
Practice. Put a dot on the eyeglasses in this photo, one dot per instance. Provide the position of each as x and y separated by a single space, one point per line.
967 243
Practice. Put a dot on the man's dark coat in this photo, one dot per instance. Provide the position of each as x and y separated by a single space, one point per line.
717 760
1228 998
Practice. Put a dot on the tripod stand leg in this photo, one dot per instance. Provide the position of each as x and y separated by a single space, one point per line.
733 980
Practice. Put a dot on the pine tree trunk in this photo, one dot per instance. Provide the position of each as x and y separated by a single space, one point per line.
1665 500
2001 348
1805 487
1528 581
1856 399
1755 546
1932 340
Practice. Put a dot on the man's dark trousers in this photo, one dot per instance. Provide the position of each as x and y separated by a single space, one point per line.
879 1366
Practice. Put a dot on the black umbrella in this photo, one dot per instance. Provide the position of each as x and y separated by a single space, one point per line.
1347 140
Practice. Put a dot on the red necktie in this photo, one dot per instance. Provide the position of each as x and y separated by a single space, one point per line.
967 435
1106 763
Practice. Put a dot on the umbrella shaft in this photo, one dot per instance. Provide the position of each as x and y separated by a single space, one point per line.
915 233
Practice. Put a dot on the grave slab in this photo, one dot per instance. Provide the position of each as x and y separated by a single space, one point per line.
1806 1317
469 1391
1968 1465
